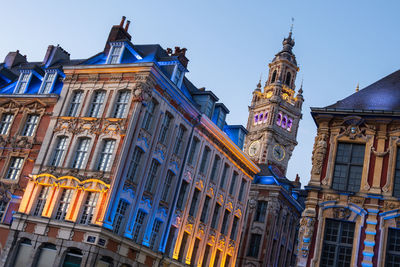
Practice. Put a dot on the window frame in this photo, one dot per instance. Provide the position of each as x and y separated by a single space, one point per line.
75 104
46 82
23 84
96 104
10 174
106 155
121 104
30 126
59 153
78 153
4 121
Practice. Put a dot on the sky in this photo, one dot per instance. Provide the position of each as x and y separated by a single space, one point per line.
230 43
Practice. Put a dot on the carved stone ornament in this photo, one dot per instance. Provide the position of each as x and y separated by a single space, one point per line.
390 205
5 194
252 203
319 151
380 154
353 131
306 231
341 213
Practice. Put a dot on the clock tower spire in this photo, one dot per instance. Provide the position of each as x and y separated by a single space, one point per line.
275 112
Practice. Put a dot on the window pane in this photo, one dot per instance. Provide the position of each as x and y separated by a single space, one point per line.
5 123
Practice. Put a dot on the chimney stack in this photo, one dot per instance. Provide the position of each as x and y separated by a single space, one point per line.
118 32
127 25
122 21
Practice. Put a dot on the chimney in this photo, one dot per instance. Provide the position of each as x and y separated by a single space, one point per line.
13 59
180 54
55 54
118 32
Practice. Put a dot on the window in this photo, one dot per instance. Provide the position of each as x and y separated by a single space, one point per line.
14 168
396 186
234 227
73 258
194 252
167 185
178 74
204 211
204 159
273 77
348 167
241 190
115 54
337 243
89 207
217 258
181 255
23 257
227 261
279 119
193 204
135 163
224 228
215 167
164 128
30 125
65 200
206 256
44 192
5 123
59 151
193 149
182 194
97 103
138 224
148 115
233 182
261 211
75 102
224 174
48 82
121 104
3 206
105 156
154 232
47 255
288 78
81 153
393 248
214 221
152 175
119 215
254 246
22 83
179 139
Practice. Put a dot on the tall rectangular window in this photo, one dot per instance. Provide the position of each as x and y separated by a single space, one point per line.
115 54
223 176
227 261
206 256
224 228
204 159
261 211
14 168
234 227
5 123
152 175
97 103
141 215
119 215
30 125
193 204
179 140
217 258
3 206
348 167
194 252
164 128
135 164
75 103
63 205
193 149
396 187
59 150
167 185
337 245
204 211
148 115
105 156
44 192
22 83
254 246
48 82
393 248
215 218
233 182
215 167
181 256
121 104
81 153
154 232
241 190
89 207
182 194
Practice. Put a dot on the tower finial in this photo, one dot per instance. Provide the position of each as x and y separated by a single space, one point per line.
358 87
291 27
300 92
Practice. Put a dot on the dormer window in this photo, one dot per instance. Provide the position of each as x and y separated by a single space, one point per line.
177 76
48 82
23 81
115 54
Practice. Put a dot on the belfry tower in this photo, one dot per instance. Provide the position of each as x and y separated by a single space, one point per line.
275 112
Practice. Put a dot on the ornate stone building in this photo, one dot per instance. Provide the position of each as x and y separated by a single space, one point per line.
28 93
137 168
352 208
274 207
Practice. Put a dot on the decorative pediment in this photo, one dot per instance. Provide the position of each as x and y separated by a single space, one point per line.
35 105
10 105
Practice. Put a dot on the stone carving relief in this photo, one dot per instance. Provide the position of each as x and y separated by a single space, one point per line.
380 154
319 151
306 232
341 213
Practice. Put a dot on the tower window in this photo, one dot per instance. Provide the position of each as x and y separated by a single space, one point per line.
288 78
260 118
284 122
273 77
279 119
289 125
255 119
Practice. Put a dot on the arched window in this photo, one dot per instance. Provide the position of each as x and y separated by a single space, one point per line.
73 258
273 77
265 116
260 117
279 119
289 125
47 255
23 257
255 119
284 122
288 78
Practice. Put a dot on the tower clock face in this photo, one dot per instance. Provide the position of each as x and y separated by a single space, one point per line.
279 152
254 148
